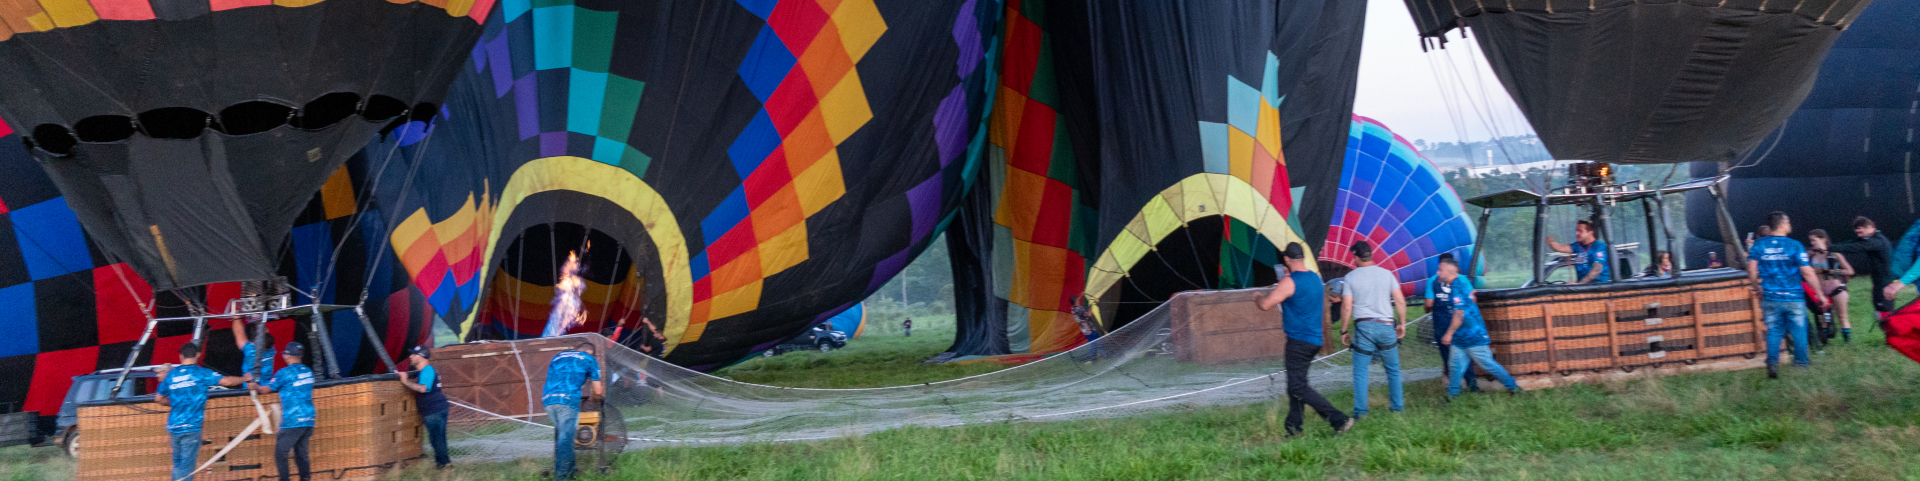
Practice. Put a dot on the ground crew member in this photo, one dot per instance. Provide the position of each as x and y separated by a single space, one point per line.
431 402
183 389
295 385
561 395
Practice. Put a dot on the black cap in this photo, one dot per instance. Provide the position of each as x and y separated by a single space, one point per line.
421 351
1295 251
295 349
1362 250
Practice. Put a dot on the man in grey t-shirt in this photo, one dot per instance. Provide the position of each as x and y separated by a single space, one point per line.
1373 299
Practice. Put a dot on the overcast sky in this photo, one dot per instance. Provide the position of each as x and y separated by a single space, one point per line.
1399 86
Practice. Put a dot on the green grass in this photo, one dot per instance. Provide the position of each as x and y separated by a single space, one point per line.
881 356
1852 416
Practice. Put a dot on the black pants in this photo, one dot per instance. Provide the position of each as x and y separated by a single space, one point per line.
1299 358
294 441
1881 303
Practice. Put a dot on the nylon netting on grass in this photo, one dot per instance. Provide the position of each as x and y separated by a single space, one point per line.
1128 372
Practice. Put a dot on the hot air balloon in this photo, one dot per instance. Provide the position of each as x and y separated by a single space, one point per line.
1132 170
72 311
1649 81
187 144
1394 198
1848 151
734 172
1634 82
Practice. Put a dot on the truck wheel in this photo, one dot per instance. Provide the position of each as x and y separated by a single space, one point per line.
826 347
71 443
769 353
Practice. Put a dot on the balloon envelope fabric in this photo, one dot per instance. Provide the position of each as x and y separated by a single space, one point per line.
1393 197
1848 151
1131 170
70 311
764 165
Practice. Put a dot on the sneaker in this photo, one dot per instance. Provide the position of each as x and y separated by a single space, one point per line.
1773 372
1514 392
1344 427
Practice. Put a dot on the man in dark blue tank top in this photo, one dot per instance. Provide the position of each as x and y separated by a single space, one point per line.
431 401
1299 296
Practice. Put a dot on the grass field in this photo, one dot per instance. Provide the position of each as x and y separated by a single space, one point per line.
1852 416
879 357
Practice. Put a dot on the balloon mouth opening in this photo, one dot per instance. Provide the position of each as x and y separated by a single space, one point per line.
566 278
245 118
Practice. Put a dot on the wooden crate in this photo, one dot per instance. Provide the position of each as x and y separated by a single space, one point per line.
1225 327
504 378
363 427
1581 331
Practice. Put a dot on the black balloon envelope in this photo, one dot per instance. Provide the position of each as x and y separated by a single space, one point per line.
188 135
1649 81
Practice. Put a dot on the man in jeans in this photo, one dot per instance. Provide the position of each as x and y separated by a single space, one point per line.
1298 295
1373 298
1467 334
431 402
1778 265
295 385
561 395
183 390
1440 310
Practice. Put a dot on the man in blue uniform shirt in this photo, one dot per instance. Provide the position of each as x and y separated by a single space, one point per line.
295 385
1440 311
1299 298
1589 255
1466 333
183 389
1778 266
561 395
260 365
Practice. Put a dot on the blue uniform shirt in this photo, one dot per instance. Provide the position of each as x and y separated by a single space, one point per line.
1587 256
1440 294
295 385
433 401
568 371
1300 313
1473 329
186 391
1780 261
250 364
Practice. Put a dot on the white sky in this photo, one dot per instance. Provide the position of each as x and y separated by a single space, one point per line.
1399 87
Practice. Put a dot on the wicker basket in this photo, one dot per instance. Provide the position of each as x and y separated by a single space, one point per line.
363 428
1549 332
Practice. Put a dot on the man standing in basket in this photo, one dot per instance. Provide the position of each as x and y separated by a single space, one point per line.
183 390
1298 295
1466 334
561 395
1589 254
1373 299
431 402
1778 266
295 385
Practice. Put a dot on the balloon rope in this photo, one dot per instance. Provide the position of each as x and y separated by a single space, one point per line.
259 423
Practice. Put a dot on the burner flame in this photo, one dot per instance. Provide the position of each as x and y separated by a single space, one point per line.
567 312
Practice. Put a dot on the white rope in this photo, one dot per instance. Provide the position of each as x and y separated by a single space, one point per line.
261 422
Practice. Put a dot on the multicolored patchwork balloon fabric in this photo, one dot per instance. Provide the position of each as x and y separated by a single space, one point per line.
1392 197
762 165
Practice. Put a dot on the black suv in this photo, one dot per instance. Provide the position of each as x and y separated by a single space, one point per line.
97 387
819 338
